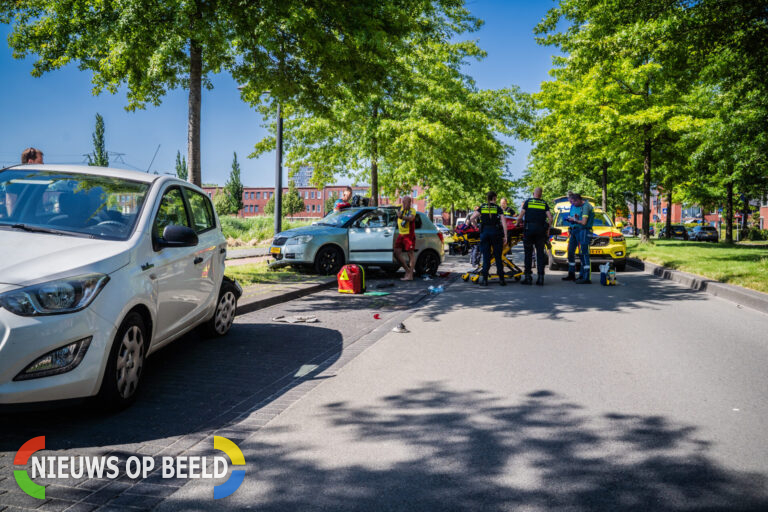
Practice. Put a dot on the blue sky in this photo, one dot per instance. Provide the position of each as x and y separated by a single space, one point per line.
56 112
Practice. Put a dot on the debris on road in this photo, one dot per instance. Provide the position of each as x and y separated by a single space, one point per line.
400 328
376 294
377 316
296 319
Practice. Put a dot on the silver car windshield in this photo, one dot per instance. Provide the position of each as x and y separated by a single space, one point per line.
70 203
338 219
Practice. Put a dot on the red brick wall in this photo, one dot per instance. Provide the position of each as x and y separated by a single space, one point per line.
256 198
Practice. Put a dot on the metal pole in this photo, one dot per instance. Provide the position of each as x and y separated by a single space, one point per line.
279 173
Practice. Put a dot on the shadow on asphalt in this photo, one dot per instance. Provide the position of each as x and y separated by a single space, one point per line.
636 290
192 385
471 451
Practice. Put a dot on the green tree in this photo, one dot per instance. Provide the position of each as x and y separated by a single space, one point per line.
432 128
233 188
99 157
182 172
330 201
223 204
298 50
292 201
641 59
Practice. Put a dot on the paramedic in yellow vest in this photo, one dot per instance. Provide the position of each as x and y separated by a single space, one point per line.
493 233
406 237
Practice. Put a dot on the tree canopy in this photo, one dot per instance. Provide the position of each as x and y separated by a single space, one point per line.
665 95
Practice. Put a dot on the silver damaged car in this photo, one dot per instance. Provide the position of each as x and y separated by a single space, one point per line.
365 236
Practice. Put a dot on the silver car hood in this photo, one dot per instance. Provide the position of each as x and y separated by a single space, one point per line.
312 230
28 258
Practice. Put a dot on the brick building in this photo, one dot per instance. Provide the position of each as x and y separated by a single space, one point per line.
255 198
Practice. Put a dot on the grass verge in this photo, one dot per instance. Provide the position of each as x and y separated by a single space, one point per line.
253 231
740 265
259 273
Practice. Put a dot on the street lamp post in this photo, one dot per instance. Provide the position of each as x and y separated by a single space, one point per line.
279 172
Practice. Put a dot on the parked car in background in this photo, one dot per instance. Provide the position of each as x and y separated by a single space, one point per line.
705 234
99 268
628 231
363 235
677 232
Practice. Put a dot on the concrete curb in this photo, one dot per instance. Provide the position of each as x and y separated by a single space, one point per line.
279 298
743 296
255 252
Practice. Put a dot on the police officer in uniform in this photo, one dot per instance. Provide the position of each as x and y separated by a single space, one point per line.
493 233
538 218
508 210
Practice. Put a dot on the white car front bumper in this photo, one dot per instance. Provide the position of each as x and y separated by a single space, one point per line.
24 339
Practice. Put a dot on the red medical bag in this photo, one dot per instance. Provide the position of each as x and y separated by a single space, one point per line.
351 279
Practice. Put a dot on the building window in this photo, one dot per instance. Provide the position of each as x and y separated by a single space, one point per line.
258 195
307 207
313 207
256 209
312 194
245 196
415 193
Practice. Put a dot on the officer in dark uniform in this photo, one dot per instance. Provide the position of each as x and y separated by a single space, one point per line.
493 233
536 213
508 210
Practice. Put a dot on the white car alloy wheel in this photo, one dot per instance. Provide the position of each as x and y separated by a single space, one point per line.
225 312
130 362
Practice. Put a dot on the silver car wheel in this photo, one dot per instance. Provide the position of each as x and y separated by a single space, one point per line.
130 361
225 313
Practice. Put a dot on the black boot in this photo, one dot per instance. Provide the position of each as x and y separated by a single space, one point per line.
527 280
540 280
502 281
484 281
570 277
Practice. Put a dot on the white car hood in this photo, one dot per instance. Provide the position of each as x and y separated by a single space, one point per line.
28 258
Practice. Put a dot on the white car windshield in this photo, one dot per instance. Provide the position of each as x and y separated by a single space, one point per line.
70 203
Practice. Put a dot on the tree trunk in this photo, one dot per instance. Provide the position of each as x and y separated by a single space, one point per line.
431 213
668 223
193 122
605 185
646 185
729 213
634 218
374 162
453 216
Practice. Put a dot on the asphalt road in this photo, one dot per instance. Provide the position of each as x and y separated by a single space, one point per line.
196 388
646 396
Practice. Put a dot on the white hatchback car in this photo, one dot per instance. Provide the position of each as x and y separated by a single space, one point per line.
98 269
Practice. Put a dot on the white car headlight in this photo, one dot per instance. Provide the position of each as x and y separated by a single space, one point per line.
297 240
54 297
